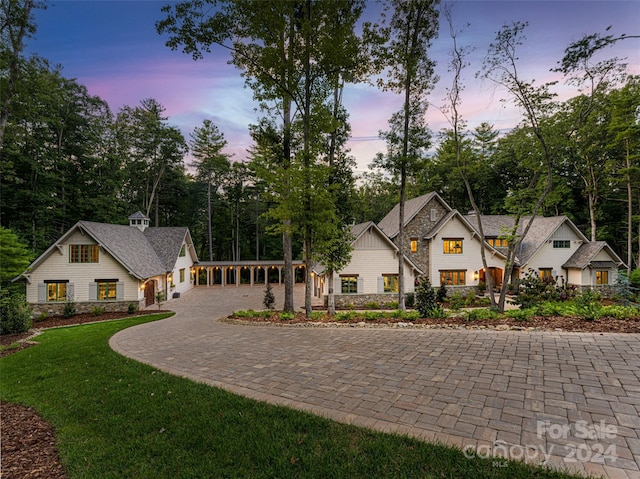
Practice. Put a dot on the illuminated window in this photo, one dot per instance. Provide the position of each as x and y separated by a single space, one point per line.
414 245
452 246
561 244
498 242
390 283
106 289
83 253
545 273
56 290
348 284
602 277
453 278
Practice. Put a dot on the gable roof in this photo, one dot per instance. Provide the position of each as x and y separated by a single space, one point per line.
390 224
585 254
143 254
541 230
357 231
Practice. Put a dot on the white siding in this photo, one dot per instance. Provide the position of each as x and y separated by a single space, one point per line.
549 257
57 267
183 262
470 260
371 258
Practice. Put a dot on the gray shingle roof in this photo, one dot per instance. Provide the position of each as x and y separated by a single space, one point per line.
390 224
166 242
129 246
583 257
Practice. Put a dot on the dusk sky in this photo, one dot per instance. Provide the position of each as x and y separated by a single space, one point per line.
112 48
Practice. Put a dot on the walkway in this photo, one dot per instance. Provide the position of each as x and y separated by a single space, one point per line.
571 398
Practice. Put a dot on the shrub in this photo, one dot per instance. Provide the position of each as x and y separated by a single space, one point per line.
69 309
15 315
97 311
372 315
269 300
372 305
250 313
392 305
287 315
620 312
132 308
535 290
42 316
425 297
519 314
316 315
456 301
482 287
441 295
634 279
410 300
160 297
470 299
412 315
345 315
436 312
482 314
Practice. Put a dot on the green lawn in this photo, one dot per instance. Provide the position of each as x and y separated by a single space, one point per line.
117 418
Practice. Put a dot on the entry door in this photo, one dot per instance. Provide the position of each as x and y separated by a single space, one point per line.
150 293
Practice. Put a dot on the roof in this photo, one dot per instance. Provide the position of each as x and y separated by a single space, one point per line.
357 231
541 230
390 224
585 254
143 254
138 215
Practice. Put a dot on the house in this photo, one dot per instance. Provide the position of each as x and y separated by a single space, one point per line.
372 273
445 245
111 266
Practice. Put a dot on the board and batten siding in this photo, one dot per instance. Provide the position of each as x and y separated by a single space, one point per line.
372 257
469 261
184 262
549 257
56 267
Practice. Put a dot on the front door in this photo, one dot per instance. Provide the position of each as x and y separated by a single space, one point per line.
149 292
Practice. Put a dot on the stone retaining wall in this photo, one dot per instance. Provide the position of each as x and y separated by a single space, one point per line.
57 309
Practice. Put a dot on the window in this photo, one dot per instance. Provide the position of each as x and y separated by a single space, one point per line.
452 246
561 244
182 275
453 278
83 253
390 282
106 289
498 242
414 245
545 273
183 251
348 284
56 290
602 277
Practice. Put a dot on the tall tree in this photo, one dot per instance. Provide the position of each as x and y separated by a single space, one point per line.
212 166
414 24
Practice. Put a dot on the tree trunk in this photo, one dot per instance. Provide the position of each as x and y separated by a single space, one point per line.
331 301
209 221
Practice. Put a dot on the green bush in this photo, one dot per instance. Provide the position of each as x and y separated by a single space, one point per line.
425 297
372 315
372 305
482 314
519 314
345 315
97 311
250 313
456 301
412 315
634 279
435 312
15 315
42 316
441 295
287 315
69 309
620 312
392 305
133 307
410 300
316 315
269 300
470 299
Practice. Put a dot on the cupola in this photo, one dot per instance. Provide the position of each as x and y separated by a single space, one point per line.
139 220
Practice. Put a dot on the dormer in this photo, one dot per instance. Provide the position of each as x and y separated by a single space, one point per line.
139 220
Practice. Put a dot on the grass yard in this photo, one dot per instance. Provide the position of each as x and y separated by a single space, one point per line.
117 418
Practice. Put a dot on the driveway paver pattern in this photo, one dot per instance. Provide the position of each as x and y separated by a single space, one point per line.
571 400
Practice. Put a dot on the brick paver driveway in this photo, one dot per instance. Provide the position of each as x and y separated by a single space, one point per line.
572 399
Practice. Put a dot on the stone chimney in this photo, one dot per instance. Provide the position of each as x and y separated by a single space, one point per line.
139 220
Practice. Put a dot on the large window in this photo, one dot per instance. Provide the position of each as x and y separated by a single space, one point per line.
84 253
452 246
453 277
182 275
602 277
56 290
390 282
106 289
348 284
561 244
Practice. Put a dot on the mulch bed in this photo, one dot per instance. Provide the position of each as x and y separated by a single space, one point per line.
539 323
28 442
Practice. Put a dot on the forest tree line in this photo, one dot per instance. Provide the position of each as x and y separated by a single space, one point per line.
66 156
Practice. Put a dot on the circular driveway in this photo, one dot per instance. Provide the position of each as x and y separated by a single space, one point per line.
569 399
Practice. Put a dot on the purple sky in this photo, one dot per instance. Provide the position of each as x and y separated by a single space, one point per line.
112 48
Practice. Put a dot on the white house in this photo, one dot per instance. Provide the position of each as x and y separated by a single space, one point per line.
111 266
372 273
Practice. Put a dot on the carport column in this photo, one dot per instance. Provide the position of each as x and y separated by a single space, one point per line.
252 272
223 275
